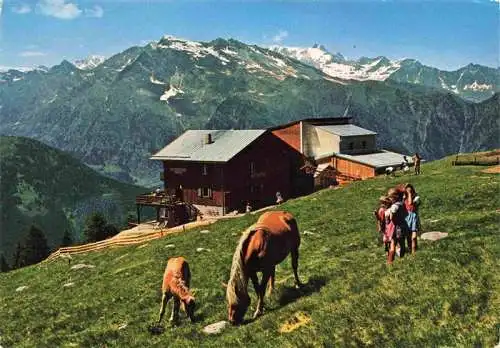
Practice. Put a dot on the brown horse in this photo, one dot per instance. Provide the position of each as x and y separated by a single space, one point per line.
260 249
176 279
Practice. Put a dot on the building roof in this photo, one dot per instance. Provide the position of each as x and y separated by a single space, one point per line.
320 168
191 146
346 130
325 120
381 159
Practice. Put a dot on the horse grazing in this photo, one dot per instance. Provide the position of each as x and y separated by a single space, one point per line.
262 246
176 279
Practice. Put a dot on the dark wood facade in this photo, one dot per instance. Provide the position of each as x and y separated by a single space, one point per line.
253 175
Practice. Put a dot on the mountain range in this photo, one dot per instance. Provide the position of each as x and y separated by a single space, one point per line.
473 82
114 115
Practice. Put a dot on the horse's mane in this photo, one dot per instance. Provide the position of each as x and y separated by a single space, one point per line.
178 285
237 285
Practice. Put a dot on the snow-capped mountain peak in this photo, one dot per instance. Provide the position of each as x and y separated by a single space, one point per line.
317 55
90 62
336 65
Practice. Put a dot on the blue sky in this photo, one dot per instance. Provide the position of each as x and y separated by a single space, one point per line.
445 34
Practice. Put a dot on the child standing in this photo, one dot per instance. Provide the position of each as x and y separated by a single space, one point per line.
411 202
396 230
383 223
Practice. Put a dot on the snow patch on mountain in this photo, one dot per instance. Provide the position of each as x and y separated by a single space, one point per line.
478 87
90 62
130 60
171 92
227 51
155 81
195 49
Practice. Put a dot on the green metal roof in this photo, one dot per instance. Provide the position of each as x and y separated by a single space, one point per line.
191 146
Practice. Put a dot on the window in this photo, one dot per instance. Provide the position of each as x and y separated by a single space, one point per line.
351 146
204 170
205 192
252 168
363 144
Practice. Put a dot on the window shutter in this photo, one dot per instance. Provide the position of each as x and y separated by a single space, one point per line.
210 192
200 192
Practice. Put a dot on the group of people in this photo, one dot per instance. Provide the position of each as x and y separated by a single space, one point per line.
398 221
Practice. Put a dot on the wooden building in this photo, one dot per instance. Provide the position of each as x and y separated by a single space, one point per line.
340 150
219 171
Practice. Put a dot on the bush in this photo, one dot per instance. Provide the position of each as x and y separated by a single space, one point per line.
97 228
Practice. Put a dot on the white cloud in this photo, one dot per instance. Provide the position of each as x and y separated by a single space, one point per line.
59 9
96 12
32 54
280 36
497 1
21 9
1 7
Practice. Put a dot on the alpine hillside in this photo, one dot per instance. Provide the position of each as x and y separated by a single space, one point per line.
46 187
446 295
473 82
114 116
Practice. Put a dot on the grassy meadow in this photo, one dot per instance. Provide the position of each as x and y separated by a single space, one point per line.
448 295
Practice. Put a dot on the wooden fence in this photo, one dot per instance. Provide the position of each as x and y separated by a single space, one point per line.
476 161
123 240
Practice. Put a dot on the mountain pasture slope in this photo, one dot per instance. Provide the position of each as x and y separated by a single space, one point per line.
447 295
46 187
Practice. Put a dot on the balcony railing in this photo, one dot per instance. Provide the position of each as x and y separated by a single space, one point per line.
154 198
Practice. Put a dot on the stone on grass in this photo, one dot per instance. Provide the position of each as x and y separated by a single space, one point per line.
21 288
204 231
68 285
170 246
434 235
122 326
215 327
202 249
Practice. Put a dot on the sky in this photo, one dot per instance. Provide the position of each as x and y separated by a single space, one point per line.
444 34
